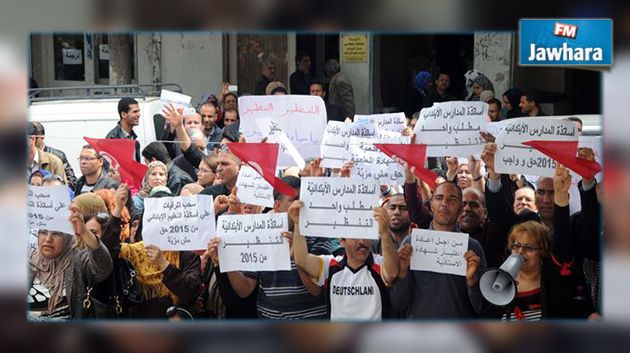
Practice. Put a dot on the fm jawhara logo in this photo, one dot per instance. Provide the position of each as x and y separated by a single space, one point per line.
573 42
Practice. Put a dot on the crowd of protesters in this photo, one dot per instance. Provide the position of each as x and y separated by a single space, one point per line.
503 215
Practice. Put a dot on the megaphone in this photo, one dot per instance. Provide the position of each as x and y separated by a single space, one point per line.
498 285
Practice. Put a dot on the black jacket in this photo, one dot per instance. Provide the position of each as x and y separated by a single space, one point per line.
177 178
119 133
104 182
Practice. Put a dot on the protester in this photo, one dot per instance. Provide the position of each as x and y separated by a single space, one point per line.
156 176
268 74
209 115
67 271
333 112
494 109
340 90
38 159
511 100
94 177
530 104
176 177
418 96
300 80
40 143
129 113
476 82
230 117
439 91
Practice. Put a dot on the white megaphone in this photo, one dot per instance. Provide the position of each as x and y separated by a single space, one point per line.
498 285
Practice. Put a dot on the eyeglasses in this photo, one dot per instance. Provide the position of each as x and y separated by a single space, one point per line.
45 233
86 159
526 247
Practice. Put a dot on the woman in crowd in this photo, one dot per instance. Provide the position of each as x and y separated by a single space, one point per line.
476 82
511 99
66 270
109 197
157 175
207 171
165 278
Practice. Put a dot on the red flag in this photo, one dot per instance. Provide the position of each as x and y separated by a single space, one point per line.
263 157
120 154
565 152
413 155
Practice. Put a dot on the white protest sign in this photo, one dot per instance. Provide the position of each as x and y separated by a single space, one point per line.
178 100
452 128
251 188
334 150
178 223
388 121
302 118
436 251
253 242
288 155
372 164
49 208
339 208
72 56
512 157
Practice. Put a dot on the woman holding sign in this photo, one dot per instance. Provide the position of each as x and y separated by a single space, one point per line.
166 278
67 271
157 175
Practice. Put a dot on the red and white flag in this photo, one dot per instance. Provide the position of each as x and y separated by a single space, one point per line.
263 157
120 154
565 152
412 156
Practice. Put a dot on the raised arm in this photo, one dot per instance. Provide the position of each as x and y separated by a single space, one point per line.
390 268
562 245
175 119
310 263
242 285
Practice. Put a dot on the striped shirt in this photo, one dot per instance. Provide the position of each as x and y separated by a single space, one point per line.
527 307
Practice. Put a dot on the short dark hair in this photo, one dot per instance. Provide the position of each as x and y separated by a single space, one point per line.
230 94
209 103
316 82
293 181
156 150
532 96
301 54
35 128
495 101
90 147
460 193
123 105
442 72
238 117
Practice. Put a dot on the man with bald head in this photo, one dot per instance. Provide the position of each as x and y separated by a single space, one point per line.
424 294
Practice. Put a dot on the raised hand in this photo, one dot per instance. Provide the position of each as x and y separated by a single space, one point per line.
234 204
487 156
404 258
382 218
345 169
561 185
220 203
172 115
213 250
294 211
155 256
472 264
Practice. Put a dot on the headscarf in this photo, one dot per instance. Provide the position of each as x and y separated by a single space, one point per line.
51 271
421 81
478 77
43 172
149 275
109 197
145 190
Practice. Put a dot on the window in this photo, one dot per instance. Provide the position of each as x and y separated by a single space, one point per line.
69 57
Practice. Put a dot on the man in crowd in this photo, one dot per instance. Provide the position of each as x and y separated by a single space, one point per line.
439 92
340 90
193 121
333 112
399 223
530 104
176 178
301 79
230 117
268 74
198 140
424 294
129 113
94 174
494 109
40 135
281 294
38 159
208 112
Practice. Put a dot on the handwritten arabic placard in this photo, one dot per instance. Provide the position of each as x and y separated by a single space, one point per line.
48 208
389 121
372 164
178 100
339 208
512 157
441 252
253 242
288 155
452 128
335 147
178 223
302 118
252 188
